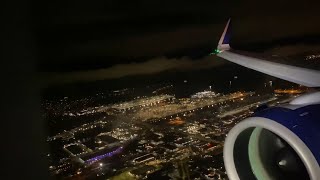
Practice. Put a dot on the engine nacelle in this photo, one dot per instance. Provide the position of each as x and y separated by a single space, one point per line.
277 143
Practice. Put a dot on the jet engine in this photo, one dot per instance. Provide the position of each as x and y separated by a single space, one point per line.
281 142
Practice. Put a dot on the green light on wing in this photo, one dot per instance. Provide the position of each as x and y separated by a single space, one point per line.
216 51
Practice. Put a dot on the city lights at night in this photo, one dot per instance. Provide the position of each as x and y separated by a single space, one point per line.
161 89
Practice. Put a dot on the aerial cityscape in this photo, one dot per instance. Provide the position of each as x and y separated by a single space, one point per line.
170 89
156 136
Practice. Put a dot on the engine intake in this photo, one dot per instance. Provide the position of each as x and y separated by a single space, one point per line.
261 148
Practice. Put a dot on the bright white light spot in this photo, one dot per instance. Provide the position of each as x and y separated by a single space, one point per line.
282 162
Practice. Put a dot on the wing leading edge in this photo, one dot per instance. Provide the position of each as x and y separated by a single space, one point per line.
299 75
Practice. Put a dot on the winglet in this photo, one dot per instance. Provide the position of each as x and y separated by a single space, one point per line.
225 38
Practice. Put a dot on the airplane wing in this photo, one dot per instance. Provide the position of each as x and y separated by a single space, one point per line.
299 75
270 143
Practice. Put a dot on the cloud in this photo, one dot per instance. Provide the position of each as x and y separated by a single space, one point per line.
157 65
152 66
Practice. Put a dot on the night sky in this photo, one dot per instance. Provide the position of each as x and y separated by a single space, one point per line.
108 39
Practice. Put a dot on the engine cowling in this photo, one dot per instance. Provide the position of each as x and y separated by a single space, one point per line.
277 143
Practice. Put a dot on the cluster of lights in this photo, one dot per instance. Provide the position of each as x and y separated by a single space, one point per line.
82 113
61 168
189 106
120 134
312 57
141 102
193 129
205 94
162 88
109 154
83 127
